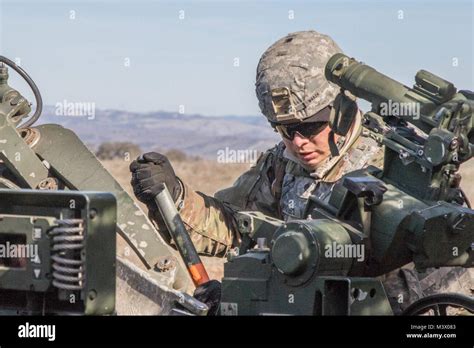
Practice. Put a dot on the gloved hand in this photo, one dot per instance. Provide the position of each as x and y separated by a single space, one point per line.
148 173
210 294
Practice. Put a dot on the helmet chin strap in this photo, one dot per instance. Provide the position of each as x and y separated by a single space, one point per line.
332 144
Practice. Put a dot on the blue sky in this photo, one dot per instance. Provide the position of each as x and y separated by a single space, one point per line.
190 61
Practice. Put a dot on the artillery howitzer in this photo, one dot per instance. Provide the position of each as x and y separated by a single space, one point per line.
410 211
54 160
375 220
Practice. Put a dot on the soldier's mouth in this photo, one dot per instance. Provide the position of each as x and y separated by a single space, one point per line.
308 156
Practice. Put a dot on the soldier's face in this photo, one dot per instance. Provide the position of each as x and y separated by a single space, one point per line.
310 150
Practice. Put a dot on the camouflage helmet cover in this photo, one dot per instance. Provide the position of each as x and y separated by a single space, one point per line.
290 83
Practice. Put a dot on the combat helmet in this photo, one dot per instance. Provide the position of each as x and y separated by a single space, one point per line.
290 83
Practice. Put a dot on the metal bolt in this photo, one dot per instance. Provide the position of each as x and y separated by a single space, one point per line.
92 214
92 295
454 144
261 243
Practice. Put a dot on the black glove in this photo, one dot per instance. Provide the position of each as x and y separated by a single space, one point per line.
210 294
148 173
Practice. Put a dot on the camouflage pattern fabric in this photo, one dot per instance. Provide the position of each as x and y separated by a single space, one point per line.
297 62
406 285
357 151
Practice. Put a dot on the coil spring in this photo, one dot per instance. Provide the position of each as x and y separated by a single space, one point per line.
68 238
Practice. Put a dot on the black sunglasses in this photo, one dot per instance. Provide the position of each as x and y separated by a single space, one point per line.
306 130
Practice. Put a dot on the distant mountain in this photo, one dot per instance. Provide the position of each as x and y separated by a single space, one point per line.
194 134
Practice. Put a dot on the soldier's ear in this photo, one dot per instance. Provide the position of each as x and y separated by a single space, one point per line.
343 113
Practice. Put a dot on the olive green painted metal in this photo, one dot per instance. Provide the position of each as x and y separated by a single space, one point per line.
12 104
375 220
434 106
19 157
13 232
421 215
51 157
15 153
294 270
405 229
67 155
60 238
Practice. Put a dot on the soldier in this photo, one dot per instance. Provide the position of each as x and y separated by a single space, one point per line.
318 147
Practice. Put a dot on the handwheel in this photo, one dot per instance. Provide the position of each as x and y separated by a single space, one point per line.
439 303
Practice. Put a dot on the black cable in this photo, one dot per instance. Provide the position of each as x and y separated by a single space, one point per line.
466 199
34 88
